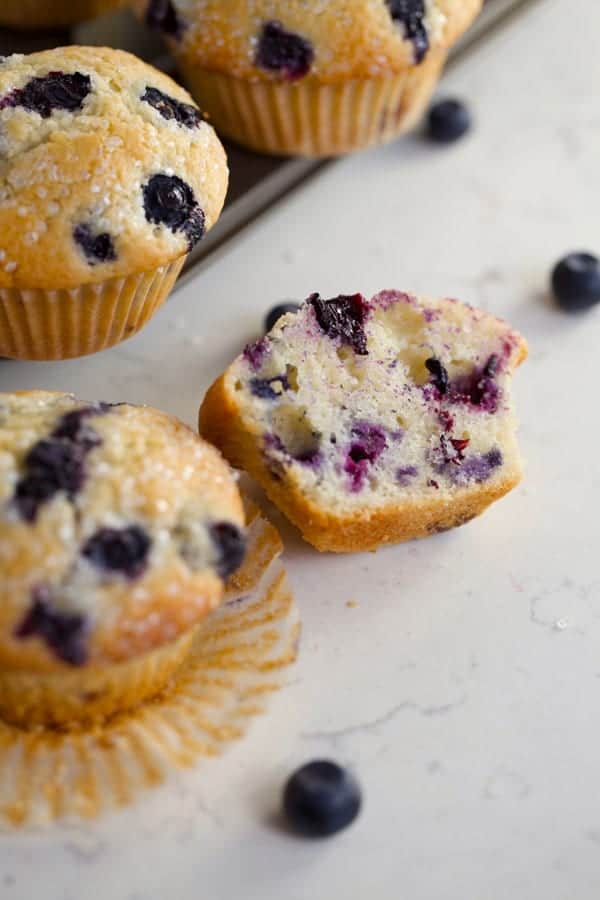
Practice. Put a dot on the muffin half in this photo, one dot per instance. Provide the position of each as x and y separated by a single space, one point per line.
371 422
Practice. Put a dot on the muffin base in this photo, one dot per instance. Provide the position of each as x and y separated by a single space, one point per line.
57 14
239 657
310 118
82 697
42 324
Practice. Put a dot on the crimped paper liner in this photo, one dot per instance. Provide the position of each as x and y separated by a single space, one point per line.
52 13
239 657
78 696
61 324
310 118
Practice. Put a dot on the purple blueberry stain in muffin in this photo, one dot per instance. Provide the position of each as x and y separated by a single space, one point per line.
97 248
62 631
284 52
161 15
367 444
171 109
411 14
479 387
308 453
405 474
120 550
169 201
343 318
386 298
269 388
54 91
229 542
255 353
478 468
446 420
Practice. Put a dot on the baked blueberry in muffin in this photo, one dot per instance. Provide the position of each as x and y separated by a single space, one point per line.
118 527
373 421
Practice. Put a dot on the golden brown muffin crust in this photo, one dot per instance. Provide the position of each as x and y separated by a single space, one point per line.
350 38
142 469
88 168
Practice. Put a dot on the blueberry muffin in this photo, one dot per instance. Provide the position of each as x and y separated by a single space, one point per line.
53 13
287 76
373 422
118 526
108 177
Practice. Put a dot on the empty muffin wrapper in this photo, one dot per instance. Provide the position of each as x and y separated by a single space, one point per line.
239 658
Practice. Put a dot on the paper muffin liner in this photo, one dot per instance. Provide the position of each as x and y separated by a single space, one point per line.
238 658
52 13
311 118
61 324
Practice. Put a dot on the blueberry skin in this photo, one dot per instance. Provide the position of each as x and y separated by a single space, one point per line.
447 121
171 109
321 798
576 281
275 314
63 632
56 90
278 50
230 544
123 550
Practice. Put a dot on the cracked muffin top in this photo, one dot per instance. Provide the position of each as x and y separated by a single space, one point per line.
329 40
118 527
106 168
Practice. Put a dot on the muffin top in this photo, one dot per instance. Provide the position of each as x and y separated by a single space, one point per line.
328 40
106 168
118 526
53 13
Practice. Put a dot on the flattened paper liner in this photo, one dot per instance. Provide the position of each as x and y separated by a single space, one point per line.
239 658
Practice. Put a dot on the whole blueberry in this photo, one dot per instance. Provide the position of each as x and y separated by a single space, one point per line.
56 90
170 108
161 15
64 632
285 52
344 318
447 121
411 14
275 314
170 201
122 550
321 798
97 248
576 281
439 373
52 465
230 544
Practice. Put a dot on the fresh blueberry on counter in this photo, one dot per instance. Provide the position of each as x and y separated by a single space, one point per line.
576 281
447 121
275 314
321 798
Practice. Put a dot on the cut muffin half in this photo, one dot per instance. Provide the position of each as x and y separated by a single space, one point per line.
373 422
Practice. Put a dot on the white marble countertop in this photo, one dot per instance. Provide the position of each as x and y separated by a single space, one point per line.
463 688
